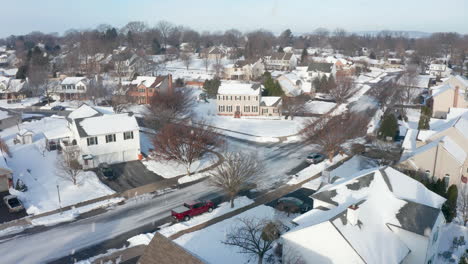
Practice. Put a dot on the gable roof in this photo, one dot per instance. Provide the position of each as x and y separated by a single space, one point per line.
162 250
320 67
371 238
106 124
239 88
73 80
270 101
84 111
457 152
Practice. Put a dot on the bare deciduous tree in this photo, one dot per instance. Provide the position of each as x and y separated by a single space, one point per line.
294 105
184 144
186 59
4 148
170 106
407 86
68 166
254 237
331 133
462 204
206 60
343 89
235 173
165 29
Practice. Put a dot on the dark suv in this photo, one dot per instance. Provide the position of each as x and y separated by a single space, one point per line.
106 171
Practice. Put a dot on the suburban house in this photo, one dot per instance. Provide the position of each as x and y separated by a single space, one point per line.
281 61
439 70
9 118
451 93
368 218
239 99
245 70
319 69
6 175
97 136
143 88
214 53
162 250
12 89
441 152
292 85
73 88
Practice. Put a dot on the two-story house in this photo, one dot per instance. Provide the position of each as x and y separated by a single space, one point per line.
143 88
370 217
96 136
439 70
239 99
73 88
451 93
281 61
245 70
13 89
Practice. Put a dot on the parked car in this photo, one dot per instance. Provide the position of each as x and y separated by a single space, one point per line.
13 203
191 209
106 171
58 108
315 158
46 100
292 205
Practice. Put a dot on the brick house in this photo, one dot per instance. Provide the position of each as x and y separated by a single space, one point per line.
245 99
144 87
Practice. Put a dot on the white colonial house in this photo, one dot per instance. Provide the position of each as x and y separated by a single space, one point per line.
239 99
439 70
73 88
97 136
244 70
281 61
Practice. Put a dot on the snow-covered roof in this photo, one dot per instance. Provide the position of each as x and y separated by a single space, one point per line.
84 111
270 100
72 80
239 88
437 90
106 124
15 85
385 197
57 133
456 119
447 143
23 132
462 79
144 80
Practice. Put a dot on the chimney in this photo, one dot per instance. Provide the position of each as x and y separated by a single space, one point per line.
455 96
352 214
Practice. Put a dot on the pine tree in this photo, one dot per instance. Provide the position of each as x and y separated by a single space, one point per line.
449 208
304 56
389 127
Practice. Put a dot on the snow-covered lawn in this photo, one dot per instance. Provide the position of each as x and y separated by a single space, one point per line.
261 127
36 167
169 230
217 252
171 169
27 102
319 107
446 236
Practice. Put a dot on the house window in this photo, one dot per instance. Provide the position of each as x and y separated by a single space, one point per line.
256 98
92 141
110 138
141 90
128 135
254 108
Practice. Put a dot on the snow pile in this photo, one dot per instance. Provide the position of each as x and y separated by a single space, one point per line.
71 214
171 169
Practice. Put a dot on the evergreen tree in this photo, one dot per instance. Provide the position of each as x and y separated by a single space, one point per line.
156 46
389 127
449 208
272 87
22 72
304 56
280 49
425 118
210 87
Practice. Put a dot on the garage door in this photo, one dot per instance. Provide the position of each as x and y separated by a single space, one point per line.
3 183
110 158
130 155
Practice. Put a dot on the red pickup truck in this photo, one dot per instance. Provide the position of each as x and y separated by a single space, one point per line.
191 209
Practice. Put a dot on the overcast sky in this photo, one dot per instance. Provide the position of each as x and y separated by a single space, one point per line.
21 17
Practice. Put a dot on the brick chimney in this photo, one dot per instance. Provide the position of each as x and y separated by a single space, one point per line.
352 214
455 96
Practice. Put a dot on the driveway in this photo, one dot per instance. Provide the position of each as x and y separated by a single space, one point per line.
302 194
132 174
5 215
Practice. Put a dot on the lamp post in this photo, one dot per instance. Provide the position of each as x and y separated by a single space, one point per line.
58 194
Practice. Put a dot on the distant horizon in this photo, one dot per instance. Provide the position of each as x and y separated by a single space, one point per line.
58 16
